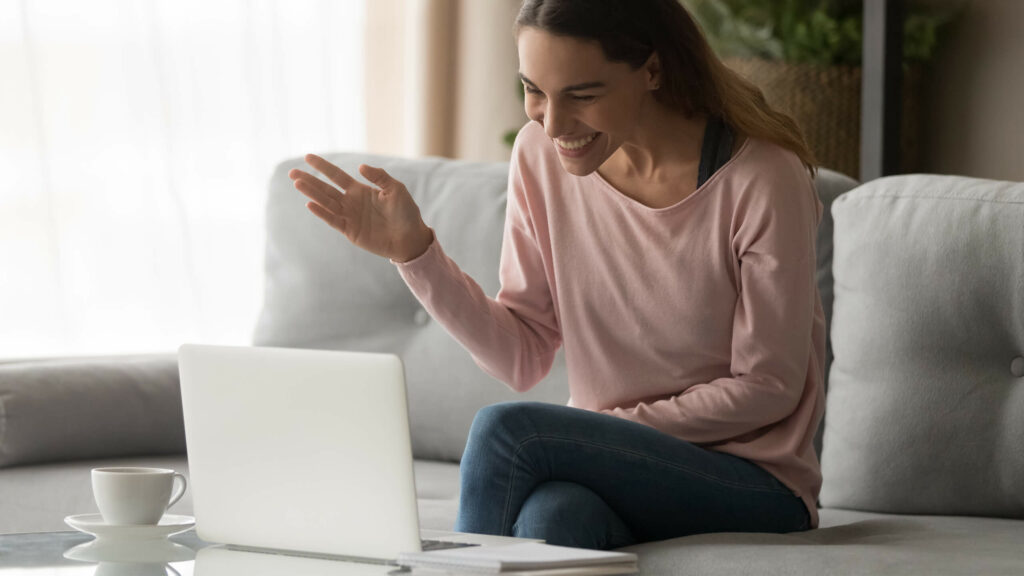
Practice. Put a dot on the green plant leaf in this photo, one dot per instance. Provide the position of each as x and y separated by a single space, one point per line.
510 137
826 32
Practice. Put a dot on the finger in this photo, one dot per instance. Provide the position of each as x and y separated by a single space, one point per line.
335 174
320 192
296 173
378 176
333 220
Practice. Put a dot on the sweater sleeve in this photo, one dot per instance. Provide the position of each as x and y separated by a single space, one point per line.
773 243
514 336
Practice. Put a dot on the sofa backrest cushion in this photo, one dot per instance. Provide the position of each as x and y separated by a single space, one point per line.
321 292
925 411
830 185
72 409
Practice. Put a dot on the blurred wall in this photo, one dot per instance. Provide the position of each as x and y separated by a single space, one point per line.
441 78
487 97
974 116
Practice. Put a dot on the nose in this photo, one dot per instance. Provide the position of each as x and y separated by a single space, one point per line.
556 121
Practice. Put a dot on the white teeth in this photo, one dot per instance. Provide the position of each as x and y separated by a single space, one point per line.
576 144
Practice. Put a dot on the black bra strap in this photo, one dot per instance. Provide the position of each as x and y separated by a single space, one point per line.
715 150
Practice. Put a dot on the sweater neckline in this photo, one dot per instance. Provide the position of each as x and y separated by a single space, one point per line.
700 191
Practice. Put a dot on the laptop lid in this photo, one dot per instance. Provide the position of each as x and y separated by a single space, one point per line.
299 450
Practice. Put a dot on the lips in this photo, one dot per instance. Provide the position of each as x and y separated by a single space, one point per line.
576 146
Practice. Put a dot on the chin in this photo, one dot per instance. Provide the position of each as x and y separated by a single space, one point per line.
585 165
578 169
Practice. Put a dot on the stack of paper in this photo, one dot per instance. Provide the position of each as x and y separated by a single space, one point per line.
532 558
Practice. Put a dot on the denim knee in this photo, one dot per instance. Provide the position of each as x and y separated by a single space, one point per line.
569 514
498 418
495 427
492 441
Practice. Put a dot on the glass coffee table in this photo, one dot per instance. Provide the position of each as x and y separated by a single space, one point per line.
75 553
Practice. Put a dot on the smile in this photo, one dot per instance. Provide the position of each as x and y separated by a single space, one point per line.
576 144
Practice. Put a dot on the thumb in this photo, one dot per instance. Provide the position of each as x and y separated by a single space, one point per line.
377 175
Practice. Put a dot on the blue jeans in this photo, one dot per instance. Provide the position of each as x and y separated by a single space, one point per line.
590 480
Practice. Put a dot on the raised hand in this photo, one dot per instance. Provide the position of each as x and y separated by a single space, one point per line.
384 220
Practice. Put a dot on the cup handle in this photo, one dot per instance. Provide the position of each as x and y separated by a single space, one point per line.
176 495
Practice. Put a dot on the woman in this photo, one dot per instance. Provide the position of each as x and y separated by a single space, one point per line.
660 225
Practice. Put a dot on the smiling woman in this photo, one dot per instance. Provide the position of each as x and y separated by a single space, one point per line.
660 225
136 139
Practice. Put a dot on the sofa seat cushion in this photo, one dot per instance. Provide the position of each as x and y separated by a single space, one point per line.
846 542
437 493
849 542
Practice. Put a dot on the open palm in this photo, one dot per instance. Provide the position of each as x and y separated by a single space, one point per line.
384 220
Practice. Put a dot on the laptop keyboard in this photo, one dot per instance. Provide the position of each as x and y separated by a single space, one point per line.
432 545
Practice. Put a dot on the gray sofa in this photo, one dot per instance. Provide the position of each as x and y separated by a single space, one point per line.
922 446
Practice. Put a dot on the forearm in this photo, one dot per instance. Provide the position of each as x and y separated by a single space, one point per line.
504 344
720 410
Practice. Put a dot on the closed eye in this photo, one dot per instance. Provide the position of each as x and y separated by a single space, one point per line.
576 97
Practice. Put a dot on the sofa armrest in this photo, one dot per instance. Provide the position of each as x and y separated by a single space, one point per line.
92 407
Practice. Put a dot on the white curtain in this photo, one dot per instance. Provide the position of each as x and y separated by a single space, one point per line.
136 141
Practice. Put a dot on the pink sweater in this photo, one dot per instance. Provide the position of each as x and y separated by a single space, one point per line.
702 319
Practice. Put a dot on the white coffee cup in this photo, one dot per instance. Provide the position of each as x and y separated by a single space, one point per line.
135 495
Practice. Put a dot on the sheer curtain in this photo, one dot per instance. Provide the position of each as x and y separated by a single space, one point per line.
136 140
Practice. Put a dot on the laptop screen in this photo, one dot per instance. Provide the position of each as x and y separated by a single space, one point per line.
299 450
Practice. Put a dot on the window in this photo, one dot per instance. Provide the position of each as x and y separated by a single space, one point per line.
136 142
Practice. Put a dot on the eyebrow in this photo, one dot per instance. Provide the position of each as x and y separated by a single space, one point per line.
573 88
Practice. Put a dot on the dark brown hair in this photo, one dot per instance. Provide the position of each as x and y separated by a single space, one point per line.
693 80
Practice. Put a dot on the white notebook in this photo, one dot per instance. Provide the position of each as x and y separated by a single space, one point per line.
617 569
529 556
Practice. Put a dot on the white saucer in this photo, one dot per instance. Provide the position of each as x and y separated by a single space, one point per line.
93 524
135 552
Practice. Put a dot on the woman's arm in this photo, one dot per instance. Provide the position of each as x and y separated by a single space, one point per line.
514 336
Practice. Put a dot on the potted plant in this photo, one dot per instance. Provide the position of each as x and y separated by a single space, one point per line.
806 55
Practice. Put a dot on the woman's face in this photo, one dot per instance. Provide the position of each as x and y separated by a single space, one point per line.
587 105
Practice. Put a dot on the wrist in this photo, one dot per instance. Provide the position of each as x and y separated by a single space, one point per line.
416 245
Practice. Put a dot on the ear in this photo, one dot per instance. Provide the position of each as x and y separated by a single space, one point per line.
652 70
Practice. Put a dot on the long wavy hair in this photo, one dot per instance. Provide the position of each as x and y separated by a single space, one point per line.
694 80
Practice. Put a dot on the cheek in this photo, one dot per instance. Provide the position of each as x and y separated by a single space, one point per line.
534 110
619 114
607 116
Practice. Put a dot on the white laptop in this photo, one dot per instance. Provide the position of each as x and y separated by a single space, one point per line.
302 452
